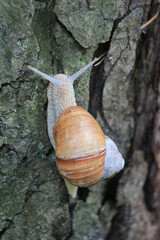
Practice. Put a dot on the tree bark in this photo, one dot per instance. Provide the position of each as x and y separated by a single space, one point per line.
122 93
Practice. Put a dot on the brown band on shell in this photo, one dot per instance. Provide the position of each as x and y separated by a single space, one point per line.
88 180
84 171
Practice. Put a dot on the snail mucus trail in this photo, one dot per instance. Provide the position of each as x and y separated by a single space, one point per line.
84 155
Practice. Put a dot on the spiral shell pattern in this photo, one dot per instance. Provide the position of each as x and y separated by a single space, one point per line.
80 147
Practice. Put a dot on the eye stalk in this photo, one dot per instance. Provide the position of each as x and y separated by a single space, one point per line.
77 74
45 76
73 77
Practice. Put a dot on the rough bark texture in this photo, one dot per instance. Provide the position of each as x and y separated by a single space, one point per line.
123 93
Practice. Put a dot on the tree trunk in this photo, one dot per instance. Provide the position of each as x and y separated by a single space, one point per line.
122 93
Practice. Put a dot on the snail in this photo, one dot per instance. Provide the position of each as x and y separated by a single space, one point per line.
84 155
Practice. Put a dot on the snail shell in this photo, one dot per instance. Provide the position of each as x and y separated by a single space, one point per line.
80 147
84 155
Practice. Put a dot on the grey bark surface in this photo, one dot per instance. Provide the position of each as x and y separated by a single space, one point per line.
122 93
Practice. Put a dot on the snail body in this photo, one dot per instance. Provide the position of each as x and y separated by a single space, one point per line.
60 97
84 155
